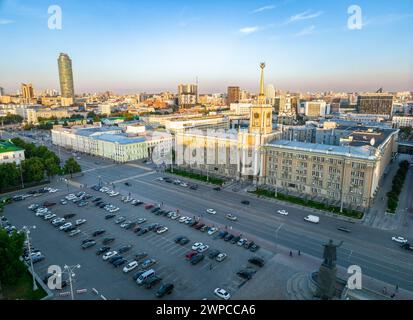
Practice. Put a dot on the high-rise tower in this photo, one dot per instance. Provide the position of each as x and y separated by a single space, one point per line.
66 76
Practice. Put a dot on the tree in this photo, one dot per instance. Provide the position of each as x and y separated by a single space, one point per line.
71 166
51 167
9 175
33 169
11 249
12 119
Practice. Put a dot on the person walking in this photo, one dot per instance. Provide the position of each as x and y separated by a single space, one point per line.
299 252
291 253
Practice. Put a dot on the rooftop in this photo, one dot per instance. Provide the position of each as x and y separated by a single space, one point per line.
8 146
120 138
365 152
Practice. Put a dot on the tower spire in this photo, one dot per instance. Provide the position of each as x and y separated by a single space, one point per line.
261 96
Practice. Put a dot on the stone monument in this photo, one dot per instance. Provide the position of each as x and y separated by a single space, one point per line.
327 275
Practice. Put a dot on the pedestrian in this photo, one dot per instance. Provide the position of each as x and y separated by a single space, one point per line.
210 266
384 290
393 295
299 252
397 288
291 253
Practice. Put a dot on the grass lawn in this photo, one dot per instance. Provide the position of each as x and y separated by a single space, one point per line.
309 203
22 290
196 176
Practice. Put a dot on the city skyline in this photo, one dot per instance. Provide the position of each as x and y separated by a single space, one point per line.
130 47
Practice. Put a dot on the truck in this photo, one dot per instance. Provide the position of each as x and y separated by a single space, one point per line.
407 246
312 219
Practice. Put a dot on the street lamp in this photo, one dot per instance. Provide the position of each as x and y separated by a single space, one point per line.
70 271
27 231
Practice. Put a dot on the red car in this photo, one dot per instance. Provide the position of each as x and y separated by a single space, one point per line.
49 204
149 206
190 255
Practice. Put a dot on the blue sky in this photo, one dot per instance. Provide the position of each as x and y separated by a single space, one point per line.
131 46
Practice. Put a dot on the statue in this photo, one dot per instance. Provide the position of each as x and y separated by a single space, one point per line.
330 254
327 275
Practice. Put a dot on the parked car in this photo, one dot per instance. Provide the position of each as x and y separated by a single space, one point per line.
148 263
78 222
130 266
102 250
213 254
125 248
152 281
88 244
246 202
109 255
164 290
221 257
108 240
110 216
282 212
197 258
140 256
221 293
256 261
69 215
74 232
119 262
98 232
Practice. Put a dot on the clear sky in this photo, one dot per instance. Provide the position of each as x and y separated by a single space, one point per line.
134 46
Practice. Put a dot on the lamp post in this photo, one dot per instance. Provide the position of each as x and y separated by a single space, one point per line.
21 174
70 271
27 231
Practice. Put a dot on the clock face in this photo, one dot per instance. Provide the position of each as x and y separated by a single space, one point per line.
268 115
256 115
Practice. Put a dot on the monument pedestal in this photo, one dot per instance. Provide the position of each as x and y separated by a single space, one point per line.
326 282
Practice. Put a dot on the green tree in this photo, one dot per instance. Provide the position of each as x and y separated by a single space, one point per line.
51 167
11 249
71 166
33 169
9 175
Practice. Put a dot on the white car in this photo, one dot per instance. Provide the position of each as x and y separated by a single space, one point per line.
124 224
103 189
127 200
183 184
49 216
65 226
212 231
399 239
42 213
221 293
231 217
283 212
53 190
197 245
32 206
78 222
109 255
241 242
162 230
113 210
203 248
183 219
63 202
74 232
130 266
113 194
221 257
211 211
175 216
56 220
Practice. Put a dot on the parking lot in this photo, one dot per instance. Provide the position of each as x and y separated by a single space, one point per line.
190 281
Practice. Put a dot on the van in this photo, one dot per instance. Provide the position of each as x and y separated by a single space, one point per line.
146 275
311 218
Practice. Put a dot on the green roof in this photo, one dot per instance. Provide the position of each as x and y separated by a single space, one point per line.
8 146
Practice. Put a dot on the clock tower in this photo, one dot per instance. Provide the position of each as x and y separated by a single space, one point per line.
261 113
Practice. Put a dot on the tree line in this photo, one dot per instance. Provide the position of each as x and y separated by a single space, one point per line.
39 163
397 185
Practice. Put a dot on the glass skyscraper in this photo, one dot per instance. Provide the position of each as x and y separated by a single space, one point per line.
66 76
